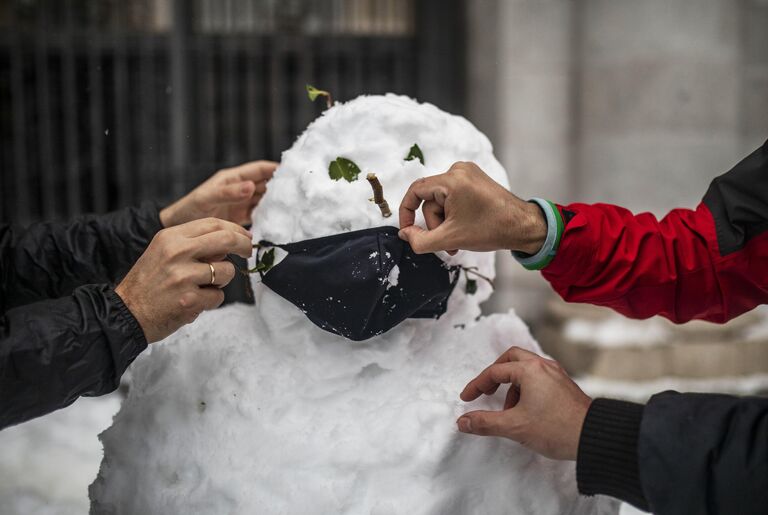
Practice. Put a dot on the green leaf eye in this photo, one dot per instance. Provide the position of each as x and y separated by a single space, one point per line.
343 168
268 259
415 153
471 287
264 262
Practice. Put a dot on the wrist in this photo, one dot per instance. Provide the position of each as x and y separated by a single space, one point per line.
607 457
531 231
135 311
168 216
554 231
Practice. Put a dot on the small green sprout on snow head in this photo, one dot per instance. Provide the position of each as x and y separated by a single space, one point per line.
313 93
415 153
343 168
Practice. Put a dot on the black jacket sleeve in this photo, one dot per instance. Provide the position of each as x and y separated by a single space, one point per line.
680 454
54 351
49 260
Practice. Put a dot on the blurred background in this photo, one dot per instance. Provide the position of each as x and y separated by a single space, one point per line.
105 103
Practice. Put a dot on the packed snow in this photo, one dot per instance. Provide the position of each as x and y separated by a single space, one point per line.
254 409
393 277
48 463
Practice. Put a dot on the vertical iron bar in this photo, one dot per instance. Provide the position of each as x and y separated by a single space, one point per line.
303 76
70 122
276 114
98 130
42 61
208 100
232 136
181 33
255 91
18 102
122 129
148 177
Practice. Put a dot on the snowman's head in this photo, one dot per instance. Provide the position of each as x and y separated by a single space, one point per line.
376 133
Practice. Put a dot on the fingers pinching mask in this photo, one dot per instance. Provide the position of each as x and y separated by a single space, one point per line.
362 283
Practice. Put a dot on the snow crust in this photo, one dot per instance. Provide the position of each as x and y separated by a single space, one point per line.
253 409
47 463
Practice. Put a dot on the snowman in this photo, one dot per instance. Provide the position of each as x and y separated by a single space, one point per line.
294 405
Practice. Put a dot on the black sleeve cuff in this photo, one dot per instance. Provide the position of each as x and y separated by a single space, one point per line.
607 456
123 337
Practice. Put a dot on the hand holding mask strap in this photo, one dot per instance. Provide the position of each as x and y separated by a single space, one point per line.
344 283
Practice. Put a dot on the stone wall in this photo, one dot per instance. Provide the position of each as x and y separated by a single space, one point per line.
635 103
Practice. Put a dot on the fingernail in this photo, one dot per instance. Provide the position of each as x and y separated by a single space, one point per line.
465 425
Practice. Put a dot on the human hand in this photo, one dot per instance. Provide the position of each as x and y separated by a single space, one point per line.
172 282
544 409
466 209
230 194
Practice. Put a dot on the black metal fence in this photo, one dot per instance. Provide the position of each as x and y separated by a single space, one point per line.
104 103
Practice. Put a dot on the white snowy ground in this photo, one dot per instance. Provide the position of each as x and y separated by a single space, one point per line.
48 463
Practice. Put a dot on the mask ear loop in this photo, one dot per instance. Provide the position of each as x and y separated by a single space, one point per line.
264 263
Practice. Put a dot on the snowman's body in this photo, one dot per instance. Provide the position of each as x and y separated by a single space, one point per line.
253 409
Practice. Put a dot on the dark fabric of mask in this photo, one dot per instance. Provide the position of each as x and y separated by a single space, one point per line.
341 282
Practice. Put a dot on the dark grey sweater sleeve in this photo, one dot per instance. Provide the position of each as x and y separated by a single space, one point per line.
681 453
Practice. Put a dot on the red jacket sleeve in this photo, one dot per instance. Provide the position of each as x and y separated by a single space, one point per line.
710 263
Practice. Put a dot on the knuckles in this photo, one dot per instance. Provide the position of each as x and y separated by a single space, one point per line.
211 224
227 272
462 167
482 424
162 238
535 366
230 239
176 277
188 301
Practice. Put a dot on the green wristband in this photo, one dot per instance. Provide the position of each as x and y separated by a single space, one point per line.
548 250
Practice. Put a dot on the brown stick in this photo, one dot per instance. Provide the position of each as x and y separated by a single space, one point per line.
378 195
473 270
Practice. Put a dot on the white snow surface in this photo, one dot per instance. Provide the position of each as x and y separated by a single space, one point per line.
48 463
253 409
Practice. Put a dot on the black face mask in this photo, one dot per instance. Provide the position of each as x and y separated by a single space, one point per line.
341 282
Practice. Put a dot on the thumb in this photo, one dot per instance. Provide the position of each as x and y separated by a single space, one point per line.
486 423
236 192
423 241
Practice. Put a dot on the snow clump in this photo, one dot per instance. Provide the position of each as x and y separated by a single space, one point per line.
254 409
